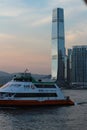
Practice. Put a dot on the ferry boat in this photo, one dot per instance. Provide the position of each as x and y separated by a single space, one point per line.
24 90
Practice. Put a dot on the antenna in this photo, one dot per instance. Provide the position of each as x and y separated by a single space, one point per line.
26 70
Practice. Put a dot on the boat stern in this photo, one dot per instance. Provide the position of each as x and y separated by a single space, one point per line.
69 101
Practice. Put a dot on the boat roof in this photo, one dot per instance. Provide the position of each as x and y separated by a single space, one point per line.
24 77
27 77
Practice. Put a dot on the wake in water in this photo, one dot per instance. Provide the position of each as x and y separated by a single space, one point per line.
80 103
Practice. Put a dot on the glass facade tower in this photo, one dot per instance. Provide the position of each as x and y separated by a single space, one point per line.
58 44
79 65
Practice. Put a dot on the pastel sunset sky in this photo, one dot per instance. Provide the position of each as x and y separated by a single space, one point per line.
25 32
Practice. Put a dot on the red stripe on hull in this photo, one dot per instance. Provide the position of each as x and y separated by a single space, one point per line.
34 102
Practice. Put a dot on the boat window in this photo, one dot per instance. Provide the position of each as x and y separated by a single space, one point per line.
36 95
6 94
26 86
16 85
11 85
45 86
23 78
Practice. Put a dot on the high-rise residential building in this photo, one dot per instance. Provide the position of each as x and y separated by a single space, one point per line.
79 65
66 58
69 65
58 44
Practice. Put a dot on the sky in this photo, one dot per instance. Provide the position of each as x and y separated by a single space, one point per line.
26 28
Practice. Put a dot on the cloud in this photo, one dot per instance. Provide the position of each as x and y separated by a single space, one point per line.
42 21
7 36
25 32
13 8
76 36
9 12
71 36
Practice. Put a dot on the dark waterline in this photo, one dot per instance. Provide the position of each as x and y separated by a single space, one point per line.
48 118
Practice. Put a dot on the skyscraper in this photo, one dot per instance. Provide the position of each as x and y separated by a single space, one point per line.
79 65
69 65
58 44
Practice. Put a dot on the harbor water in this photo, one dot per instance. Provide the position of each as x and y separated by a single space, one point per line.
48 118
